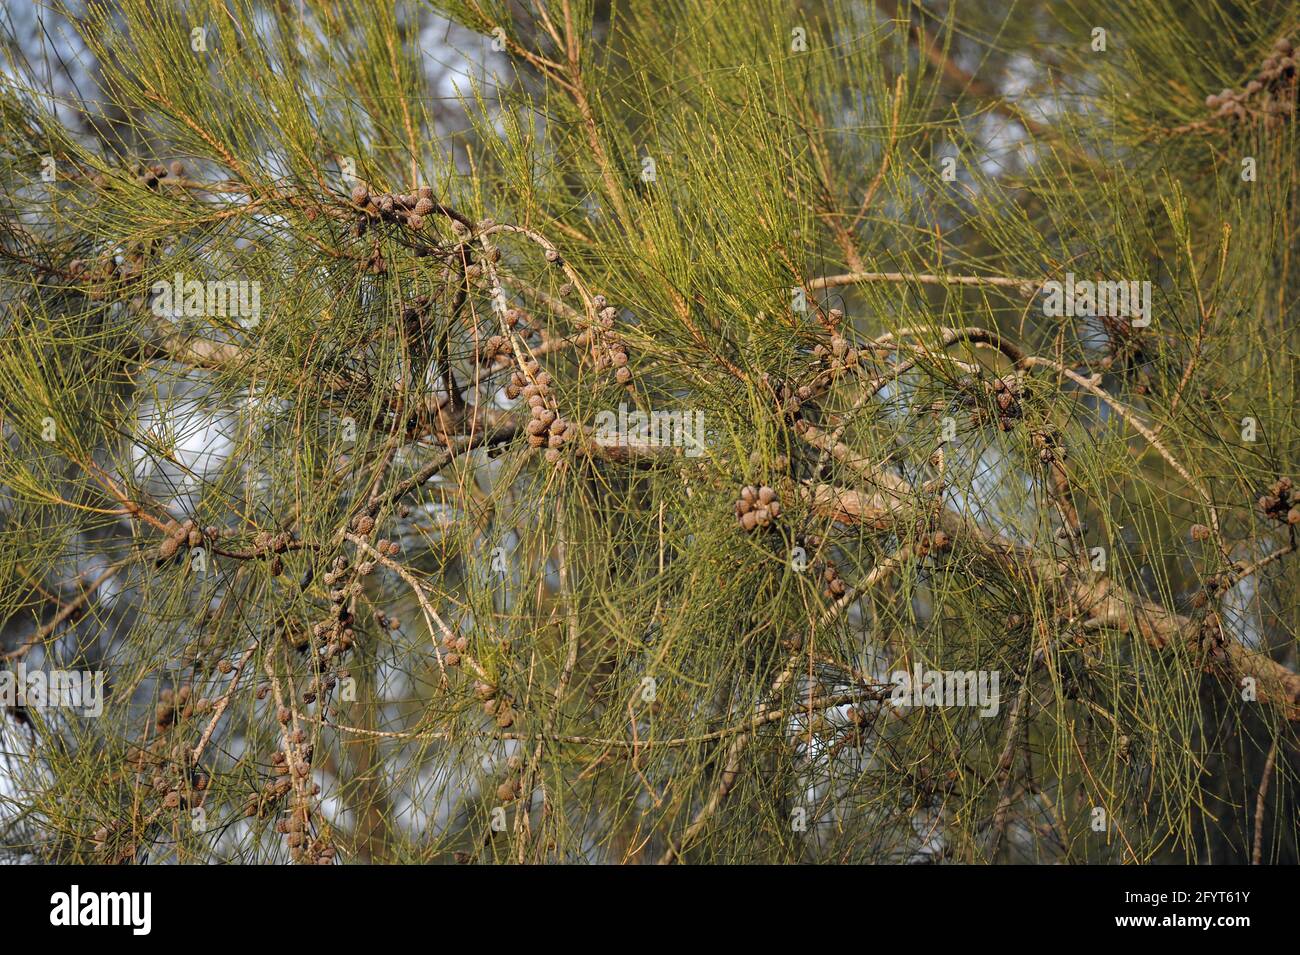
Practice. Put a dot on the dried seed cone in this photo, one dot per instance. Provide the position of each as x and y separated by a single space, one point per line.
757 507
833 585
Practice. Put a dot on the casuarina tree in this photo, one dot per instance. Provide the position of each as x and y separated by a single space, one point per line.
687 432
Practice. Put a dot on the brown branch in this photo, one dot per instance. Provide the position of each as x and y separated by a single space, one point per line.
1257 854
1028 287
891 501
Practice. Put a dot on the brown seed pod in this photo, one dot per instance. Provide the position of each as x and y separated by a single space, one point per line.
360 194
168 548
833 586
1200 532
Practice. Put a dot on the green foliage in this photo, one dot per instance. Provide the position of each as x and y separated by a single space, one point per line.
579 652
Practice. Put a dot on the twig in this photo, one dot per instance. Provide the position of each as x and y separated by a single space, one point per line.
1026 287
1256 855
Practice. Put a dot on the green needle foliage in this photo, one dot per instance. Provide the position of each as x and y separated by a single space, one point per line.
315 318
